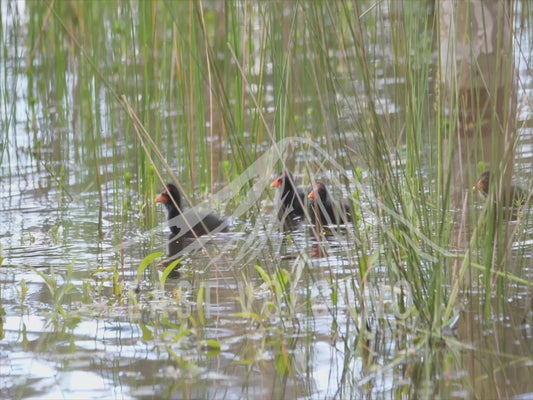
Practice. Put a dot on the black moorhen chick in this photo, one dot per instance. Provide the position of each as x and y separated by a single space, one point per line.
327 211
192 223
518 195
293 200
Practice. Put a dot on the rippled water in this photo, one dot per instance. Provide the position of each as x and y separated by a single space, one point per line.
77 323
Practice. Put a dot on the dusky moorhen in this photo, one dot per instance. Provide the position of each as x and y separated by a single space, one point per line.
193 223
293 200
518 196
326 209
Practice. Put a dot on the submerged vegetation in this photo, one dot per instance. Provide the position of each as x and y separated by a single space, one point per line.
106 102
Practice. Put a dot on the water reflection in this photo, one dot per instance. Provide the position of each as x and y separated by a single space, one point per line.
261 311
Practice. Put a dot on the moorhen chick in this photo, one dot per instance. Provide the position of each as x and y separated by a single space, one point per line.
292 201
193 223
518 196
326 209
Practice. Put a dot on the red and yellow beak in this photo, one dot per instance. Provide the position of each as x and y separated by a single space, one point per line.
162 198
277 183
311 195
480 186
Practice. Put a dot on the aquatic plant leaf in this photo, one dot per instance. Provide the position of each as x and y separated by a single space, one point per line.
145 263
212 344
200 304
263 274
283 278
147 333
168 270
249 315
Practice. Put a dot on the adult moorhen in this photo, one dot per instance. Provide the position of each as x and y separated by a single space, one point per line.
185 225
326 209
293 201
518 196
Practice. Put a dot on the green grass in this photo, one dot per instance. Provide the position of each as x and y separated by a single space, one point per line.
208 95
